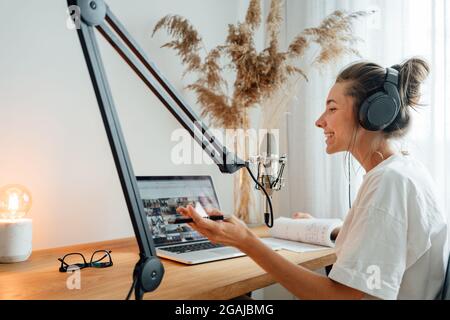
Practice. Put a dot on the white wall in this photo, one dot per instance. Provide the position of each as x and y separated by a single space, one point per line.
52 138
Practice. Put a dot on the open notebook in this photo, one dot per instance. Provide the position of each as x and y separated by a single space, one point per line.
303 235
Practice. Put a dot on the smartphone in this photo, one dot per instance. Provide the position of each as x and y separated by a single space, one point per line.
200 210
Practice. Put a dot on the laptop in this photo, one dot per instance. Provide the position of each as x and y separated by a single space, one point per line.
161 197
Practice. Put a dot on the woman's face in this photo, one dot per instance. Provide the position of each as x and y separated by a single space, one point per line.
338 120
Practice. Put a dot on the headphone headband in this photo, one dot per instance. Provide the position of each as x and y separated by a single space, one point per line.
392 76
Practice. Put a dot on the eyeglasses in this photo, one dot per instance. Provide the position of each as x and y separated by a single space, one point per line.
99 259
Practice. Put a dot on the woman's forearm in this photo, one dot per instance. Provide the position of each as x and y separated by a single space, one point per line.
300 281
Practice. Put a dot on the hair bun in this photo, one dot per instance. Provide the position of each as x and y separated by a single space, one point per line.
412 73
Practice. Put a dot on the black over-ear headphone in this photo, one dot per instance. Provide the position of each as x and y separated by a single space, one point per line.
380 109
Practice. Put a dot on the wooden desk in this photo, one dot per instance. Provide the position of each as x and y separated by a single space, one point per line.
39 278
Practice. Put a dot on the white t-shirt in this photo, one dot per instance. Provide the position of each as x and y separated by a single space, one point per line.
393 243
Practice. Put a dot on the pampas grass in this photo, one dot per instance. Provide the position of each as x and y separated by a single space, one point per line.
266 78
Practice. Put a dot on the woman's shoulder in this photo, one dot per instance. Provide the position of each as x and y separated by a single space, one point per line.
400 170
396 184
399 185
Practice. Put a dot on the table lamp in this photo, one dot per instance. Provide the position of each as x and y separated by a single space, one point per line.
15 229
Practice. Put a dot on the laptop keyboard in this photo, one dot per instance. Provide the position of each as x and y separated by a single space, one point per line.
193 247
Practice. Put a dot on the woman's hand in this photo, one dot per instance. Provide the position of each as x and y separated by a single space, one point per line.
232 231
301 215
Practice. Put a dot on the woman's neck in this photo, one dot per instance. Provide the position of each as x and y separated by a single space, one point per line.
369 157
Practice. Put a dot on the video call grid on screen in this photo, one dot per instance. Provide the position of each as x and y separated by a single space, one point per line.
161 197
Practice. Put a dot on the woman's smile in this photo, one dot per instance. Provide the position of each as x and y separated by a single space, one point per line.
329 137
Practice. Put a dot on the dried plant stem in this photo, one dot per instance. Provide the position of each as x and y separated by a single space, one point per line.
243 191
244 201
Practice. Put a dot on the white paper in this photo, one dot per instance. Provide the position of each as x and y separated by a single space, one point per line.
312 231
293 246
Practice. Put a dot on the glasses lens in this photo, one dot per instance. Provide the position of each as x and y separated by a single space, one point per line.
101 258
73 259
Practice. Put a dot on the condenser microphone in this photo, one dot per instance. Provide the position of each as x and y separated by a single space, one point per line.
270 168
268 164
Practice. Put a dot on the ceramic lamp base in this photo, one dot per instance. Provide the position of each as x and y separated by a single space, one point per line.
15 240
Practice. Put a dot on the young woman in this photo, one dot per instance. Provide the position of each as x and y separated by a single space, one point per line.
392 244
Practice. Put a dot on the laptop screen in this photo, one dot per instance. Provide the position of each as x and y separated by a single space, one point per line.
161 197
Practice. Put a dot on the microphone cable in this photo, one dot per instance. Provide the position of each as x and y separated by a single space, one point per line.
268 216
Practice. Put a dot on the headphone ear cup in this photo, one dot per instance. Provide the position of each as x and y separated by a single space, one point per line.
378 112
368 112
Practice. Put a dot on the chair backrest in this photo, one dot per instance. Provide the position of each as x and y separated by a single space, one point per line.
446 288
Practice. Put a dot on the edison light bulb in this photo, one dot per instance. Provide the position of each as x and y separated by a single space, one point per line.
15 230
15 201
